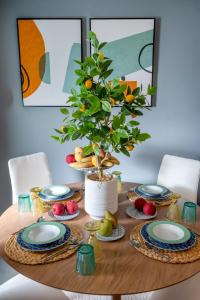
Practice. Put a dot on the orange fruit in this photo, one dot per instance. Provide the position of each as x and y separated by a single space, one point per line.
82 108
88 84
129 98
112 101
129 147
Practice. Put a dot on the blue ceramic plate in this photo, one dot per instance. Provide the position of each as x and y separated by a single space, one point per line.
55 191
46 198
162 198
44 247
153 190
166 246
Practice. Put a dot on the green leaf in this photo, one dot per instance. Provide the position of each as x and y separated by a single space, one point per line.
101 45
138 112
116 122
116 138
124 151
143 137
128 90
136 91
106 64
64 111
151 90
80 73
58 131
106 106
77 114
78 62
94 105
87 150
55 137
107 74
94 72
76 135
122 133
133 123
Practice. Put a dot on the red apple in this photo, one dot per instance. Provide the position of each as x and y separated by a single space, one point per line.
70 158
139 203
58 209
71 207
149 209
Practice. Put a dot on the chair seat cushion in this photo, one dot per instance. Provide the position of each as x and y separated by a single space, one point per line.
22 288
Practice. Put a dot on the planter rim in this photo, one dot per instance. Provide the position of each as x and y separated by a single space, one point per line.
100 181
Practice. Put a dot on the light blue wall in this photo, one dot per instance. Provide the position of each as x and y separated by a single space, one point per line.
174 122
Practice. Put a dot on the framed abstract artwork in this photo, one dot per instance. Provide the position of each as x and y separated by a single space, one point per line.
130 46
47 50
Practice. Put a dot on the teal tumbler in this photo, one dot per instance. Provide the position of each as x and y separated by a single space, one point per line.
85 260
24 203
189 212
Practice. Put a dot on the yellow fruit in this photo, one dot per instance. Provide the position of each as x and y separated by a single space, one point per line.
78 150
82 108
112 101
129 147
88 84
78 156
112 218
62 129
94 161
129 98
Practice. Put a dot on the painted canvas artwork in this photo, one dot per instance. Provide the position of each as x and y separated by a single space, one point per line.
130 46
47 50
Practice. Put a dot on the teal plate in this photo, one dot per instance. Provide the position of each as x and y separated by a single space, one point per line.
168 232
43 233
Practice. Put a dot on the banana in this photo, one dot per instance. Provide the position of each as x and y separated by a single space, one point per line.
79 164
78 156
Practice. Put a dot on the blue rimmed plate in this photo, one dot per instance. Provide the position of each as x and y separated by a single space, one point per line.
117 234
161 198
60 198
44 247
55 191
153 190
42 233
166 246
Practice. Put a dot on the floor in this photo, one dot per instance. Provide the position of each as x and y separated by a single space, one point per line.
6 272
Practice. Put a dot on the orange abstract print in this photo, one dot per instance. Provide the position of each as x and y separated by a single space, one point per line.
32 53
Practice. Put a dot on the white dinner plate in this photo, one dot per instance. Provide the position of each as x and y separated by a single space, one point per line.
55 190
64 217
139 215
117 234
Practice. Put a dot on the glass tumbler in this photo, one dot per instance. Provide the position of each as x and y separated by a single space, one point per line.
189 212
24 203
85 260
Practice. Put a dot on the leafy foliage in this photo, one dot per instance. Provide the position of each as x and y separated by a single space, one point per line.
93 115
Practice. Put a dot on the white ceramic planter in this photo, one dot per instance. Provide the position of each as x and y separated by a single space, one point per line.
100 196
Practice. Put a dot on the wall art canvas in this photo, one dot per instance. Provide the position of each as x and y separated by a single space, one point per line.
130 46
47 50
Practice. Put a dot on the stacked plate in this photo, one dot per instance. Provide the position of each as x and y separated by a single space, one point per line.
168 235
43 236
56 193
152 191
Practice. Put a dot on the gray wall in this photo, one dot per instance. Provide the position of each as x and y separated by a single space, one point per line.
173 122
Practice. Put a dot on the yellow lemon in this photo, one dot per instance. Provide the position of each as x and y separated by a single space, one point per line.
112 101
129 98
129 147
82 108
88 84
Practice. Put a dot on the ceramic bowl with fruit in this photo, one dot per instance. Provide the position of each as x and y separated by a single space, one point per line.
141 209
67 211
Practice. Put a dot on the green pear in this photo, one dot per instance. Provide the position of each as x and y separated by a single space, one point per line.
105 227
112 218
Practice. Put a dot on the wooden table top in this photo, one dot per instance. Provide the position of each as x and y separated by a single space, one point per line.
122 270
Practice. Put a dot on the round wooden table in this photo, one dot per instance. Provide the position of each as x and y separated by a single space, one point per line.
121 271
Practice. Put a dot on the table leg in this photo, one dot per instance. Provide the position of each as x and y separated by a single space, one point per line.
116 297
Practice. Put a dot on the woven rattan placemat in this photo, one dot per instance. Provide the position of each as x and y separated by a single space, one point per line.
15 252
132 196
179 257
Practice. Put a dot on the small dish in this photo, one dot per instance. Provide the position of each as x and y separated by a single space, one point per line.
117 234
156 197
46 198
54 191
153 190
64 217
134 213
43 233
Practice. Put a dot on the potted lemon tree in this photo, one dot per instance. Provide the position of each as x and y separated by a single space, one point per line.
92 117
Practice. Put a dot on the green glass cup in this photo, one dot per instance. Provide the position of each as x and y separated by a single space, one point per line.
24 203
189 213
85 260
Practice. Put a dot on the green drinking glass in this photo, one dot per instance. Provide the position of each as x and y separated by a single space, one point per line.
189 212
85 260
24 203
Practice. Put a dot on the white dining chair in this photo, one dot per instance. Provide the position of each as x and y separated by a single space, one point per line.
28 171
180 175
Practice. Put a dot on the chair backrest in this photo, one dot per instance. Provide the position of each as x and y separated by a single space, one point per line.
28 171
181 175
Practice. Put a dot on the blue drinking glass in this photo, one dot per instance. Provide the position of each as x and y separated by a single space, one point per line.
85 260
24 203
189 212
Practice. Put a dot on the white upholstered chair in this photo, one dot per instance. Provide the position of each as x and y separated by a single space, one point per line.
181 175
28 171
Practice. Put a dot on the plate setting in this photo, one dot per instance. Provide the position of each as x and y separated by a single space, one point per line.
117 234
140 191
132 212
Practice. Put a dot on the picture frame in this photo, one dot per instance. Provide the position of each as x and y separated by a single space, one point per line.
131 43
47 50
